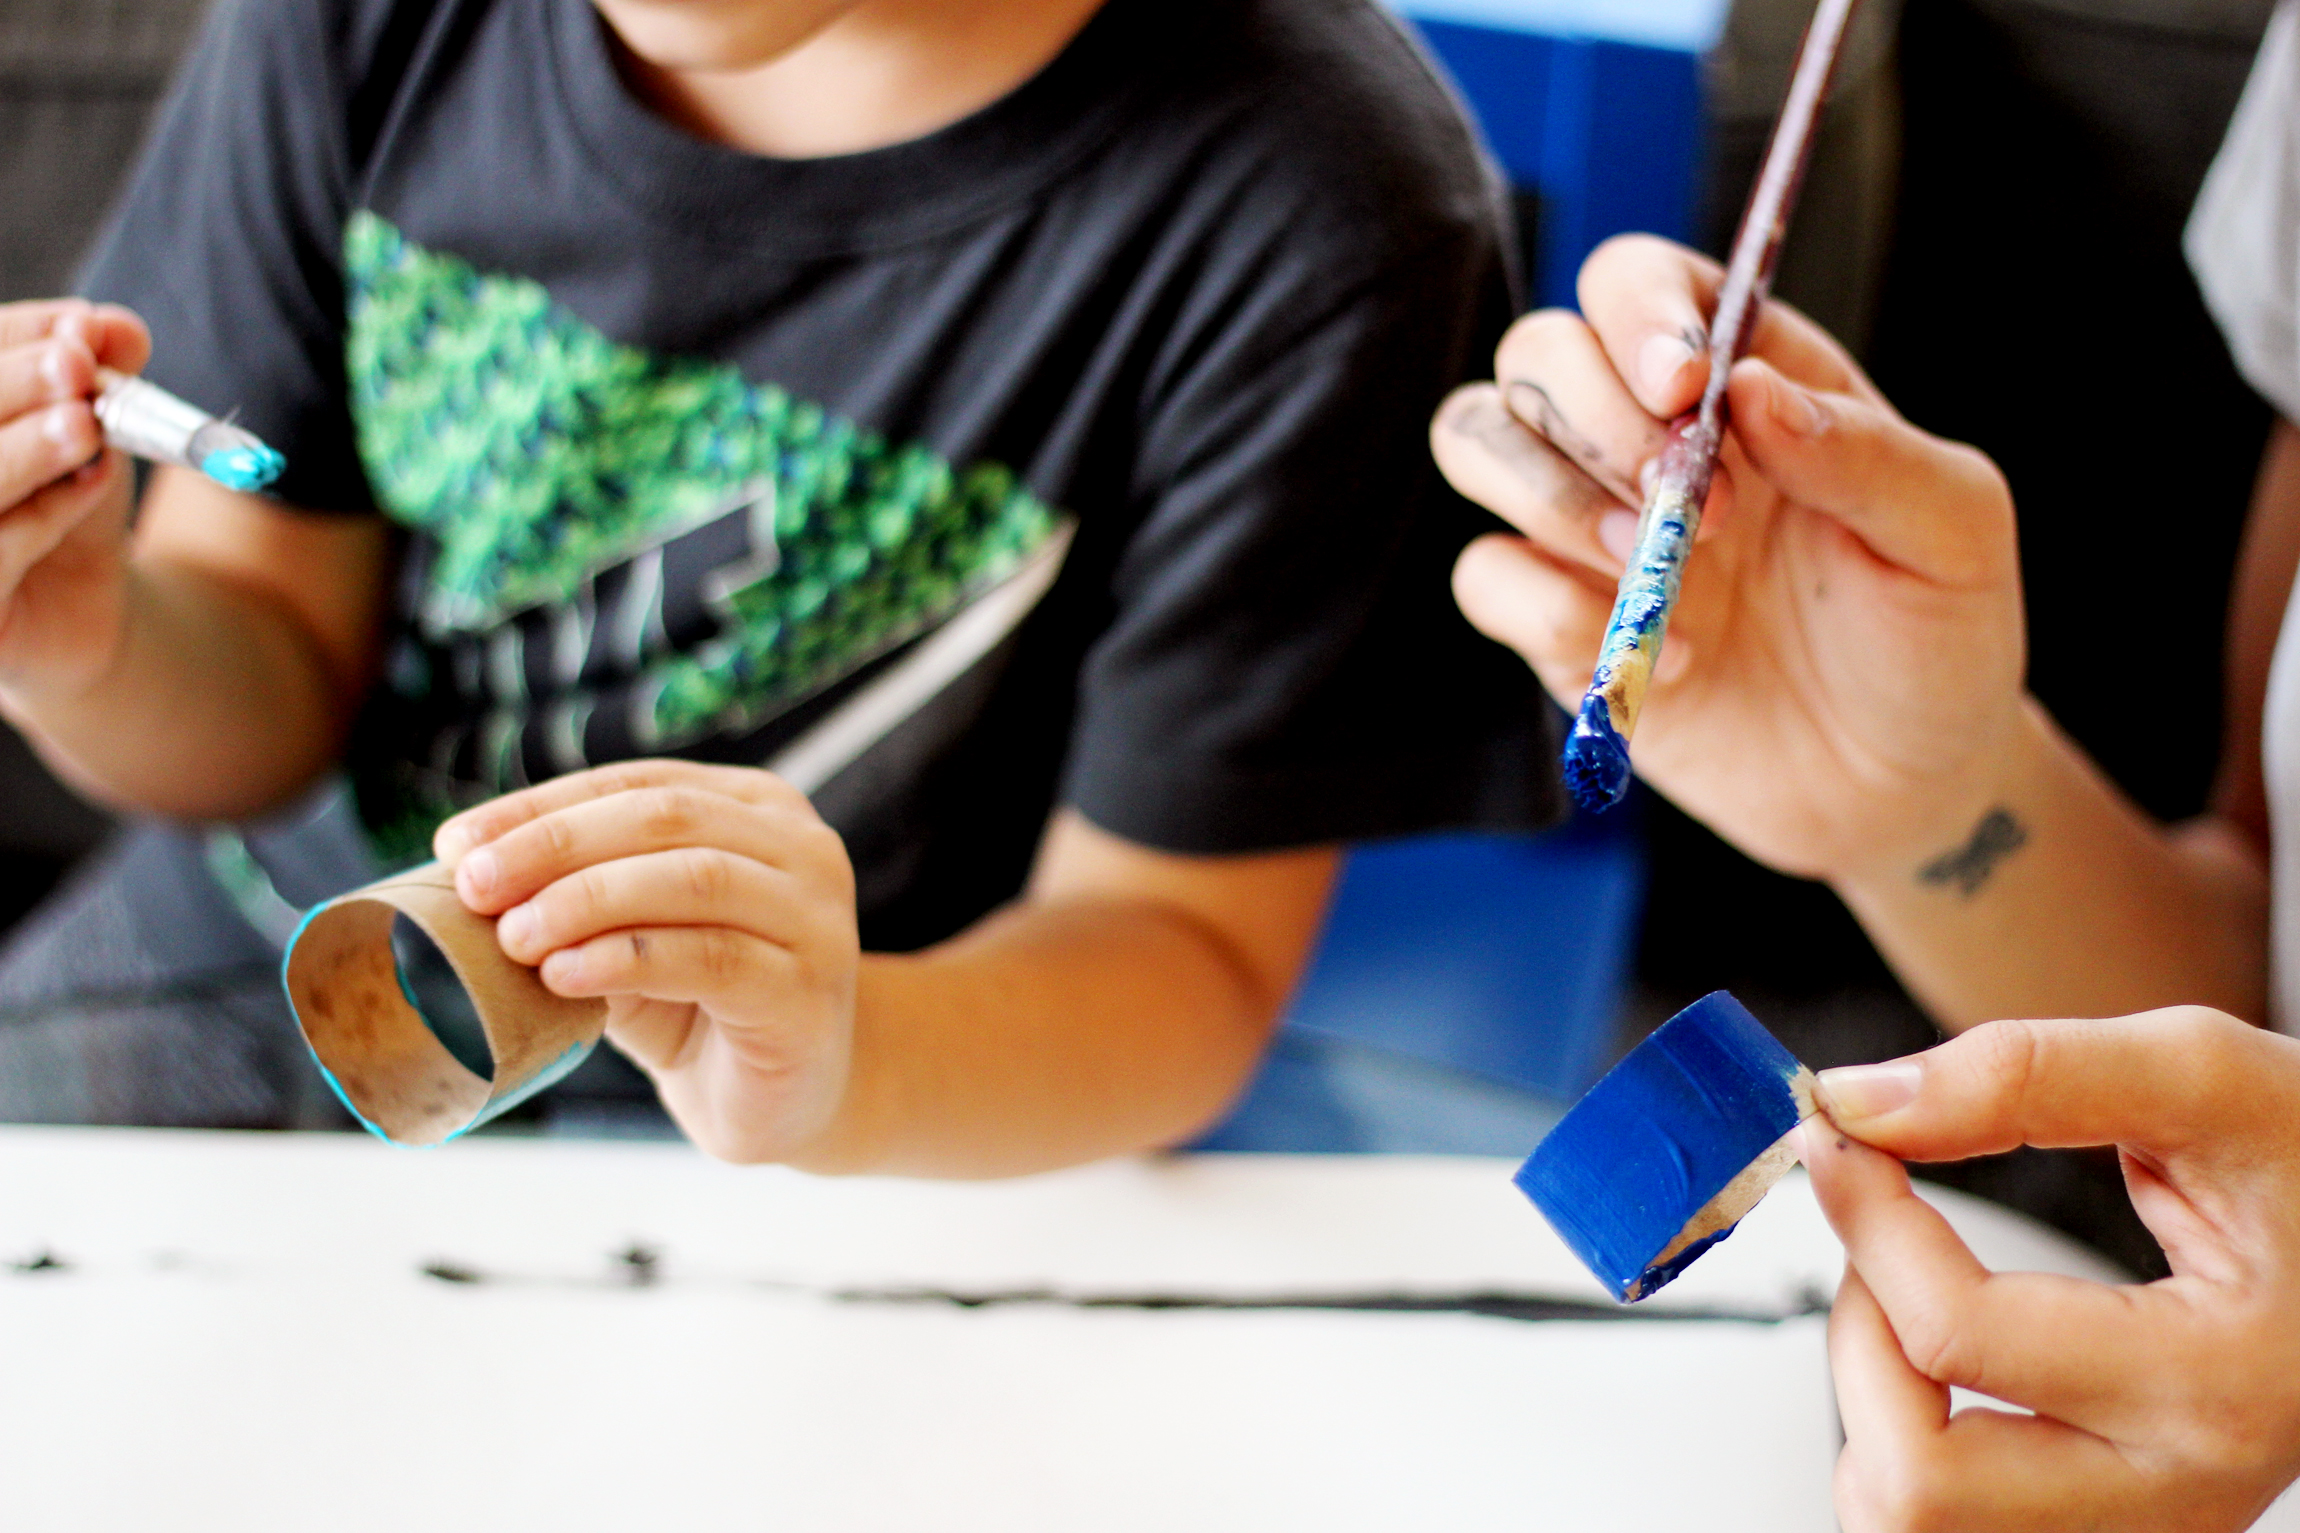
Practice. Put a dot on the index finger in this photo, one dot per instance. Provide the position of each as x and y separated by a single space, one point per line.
2184 1080
35 320
1650 302
2079 1352
459 835
115 336
1909 1463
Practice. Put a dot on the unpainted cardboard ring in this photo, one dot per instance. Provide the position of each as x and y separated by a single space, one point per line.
374 1047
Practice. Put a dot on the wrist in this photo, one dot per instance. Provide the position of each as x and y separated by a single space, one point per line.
1950 842
855 1139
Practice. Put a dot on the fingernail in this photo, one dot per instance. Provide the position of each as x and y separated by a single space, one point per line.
1853 1092
62 426
479 871
1660 360
1617 534
516 927
1795 409
564 967
55 369
453 840
1648 475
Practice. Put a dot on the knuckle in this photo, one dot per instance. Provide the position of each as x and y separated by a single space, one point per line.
2006 1056
1536 337
667 813
1987 477
626 776
707 874
557 836
720 956
589 890
2201 1034
2213 1053
1936 1345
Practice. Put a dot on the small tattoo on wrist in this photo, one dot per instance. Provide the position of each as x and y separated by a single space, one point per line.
1966 869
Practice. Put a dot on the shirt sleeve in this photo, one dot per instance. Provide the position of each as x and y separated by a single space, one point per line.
227 239
1287 666
2243 238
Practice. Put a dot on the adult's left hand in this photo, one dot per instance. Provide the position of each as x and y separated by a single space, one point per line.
2166 1407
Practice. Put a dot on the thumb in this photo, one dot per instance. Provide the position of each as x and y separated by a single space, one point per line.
2184 1081
1934 507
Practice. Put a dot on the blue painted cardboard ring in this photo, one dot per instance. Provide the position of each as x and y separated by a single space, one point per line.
376 1050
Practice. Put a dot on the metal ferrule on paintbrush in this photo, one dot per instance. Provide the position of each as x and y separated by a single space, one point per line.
146 420
1597 752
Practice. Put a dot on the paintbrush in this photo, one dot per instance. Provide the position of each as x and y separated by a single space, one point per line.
146 420
1597 752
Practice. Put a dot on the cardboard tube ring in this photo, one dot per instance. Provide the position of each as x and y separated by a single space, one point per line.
376 1050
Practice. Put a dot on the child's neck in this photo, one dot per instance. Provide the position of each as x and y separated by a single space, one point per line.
879 72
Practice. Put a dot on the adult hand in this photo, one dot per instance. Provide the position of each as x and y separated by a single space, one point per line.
1844 667
2169 1407
64 500
715 912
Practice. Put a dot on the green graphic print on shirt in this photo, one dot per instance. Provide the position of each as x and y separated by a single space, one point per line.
617 553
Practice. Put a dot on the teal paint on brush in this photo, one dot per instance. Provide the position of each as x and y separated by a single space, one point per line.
1597 753
246 469
142 418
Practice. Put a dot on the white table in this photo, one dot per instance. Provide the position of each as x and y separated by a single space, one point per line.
242 1335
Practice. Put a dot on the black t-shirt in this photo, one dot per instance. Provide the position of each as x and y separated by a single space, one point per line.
768 461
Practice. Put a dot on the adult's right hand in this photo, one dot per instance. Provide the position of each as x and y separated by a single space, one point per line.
1840 690
2169 1407
64 500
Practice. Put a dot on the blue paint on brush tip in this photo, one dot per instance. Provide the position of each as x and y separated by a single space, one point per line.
1596 759
247 469
1636 1164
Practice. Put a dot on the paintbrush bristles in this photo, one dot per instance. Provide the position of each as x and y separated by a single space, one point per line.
1597 752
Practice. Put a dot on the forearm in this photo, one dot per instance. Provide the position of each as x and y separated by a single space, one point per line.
1050 1034
214 704
2061 899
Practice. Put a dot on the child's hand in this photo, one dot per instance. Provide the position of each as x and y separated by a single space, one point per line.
64 501
2170 1406
711 907
1844 668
